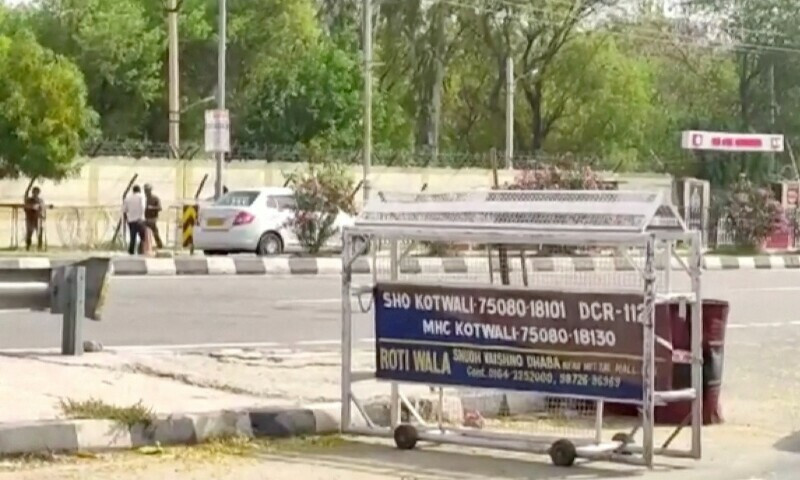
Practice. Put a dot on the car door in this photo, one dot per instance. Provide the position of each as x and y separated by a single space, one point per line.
284 207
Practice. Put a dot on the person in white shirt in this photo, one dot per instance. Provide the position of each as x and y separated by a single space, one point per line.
133 211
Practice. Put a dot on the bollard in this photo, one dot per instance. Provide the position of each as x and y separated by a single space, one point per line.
74 310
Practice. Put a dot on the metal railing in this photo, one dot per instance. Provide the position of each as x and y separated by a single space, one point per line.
81 227
75 291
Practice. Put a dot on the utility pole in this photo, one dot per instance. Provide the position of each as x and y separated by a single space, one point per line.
222 34
174 113
509 113
367 151
773 106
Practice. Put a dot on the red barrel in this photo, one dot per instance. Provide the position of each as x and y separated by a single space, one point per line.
715 318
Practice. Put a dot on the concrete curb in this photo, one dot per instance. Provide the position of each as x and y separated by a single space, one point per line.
200 266
69 436
66 436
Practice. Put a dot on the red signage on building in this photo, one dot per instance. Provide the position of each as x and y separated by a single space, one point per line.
731 142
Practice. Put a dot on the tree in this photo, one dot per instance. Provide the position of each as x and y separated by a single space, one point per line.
44 115
317 99
323 191
116 48
416 41
600 101
763 36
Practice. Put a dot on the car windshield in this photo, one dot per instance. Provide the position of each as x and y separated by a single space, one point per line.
237 199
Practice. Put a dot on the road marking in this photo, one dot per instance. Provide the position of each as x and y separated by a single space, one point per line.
736 326
195 346
308 300
318 342
767 289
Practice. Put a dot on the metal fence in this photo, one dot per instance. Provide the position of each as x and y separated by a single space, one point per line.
724 235
82 227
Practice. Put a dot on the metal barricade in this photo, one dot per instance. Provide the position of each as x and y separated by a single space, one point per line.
568 331
75 291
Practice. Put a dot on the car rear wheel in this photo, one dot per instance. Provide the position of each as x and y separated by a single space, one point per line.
269 244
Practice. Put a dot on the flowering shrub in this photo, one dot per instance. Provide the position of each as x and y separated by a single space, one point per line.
555 178
323 190
753 213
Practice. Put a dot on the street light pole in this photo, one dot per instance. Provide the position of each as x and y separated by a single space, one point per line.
218 184
174 114
509 113
367 151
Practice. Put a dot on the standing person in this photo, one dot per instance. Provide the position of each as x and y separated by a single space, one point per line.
152 209
34 215
133 211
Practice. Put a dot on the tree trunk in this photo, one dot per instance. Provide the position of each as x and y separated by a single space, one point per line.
432 73
533 95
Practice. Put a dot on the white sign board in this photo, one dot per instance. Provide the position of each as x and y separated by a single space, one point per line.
218 131
731 142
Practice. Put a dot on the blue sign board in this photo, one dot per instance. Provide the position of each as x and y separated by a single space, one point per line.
578 344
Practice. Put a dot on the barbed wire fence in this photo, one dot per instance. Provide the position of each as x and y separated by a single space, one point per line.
139 149
93 227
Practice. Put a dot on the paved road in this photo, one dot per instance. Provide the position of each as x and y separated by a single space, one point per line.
191 310
194 310
761 382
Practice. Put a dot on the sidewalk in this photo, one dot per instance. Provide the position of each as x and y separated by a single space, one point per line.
194 395
205 393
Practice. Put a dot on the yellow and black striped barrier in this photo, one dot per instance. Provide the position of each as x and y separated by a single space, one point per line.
188 221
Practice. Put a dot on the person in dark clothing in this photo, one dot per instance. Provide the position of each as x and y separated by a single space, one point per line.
133 211
34 216
152 209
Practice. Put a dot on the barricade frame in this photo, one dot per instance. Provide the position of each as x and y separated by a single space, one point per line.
661 226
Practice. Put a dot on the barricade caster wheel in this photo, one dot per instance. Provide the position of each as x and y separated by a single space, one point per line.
563 453
405 437
623 438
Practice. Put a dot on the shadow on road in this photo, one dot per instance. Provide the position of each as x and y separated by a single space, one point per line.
789 443
385 461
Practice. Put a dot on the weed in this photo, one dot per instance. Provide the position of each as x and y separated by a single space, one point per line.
97 409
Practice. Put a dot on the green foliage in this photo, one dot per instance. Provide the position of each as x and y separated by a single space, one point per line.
323 190
118 51
317 99
618 89
43 113
603 97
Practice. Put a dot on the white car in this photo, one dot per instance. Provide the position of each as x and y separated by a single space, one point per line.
252 220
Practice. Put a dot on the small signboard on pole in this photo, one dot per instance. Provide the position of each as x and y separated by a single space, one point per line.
218 131
731 142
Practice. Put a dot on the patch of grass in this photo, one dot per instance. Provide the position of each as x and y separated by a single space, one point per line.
737 251
233 445
99 410
219 448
